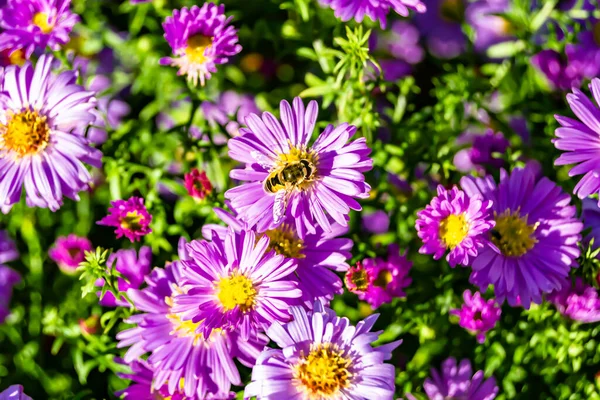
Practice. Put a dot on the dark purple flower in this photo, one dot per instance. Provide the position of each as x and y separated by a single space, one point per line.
8 279
14 392
12 57
378 281
441 26
376 10
322 356
69 251
133 269
482 153
376 222
130 217
8 248
230 110
456 222
490 29
533 246
477 315
590 213
458 382
201 38
581 140
579 301
397 50
29 24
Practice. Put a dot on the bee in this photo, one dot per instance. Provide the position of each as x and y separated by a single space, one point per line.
290 176
282 182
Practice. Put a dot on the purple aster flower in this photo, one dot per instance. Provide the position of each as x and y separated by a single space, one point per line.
37 147
69 251
230 110
323 357
490 28
581 140
399 48
130 217
458 382
197 184
8 279
441 26
200 38
8 249
378 281
534 243
142 388
317 256
482 153
29 24
179 353
477 315
454 221
376 10
579 301
376 222
284 173
133 269
236 283
590 213
14 392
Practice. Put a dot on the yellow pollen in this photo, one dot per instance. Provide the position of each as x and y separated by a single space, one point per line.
360 279
236 290
383 279
41 20
512 235
296 154
453 229
285 242
25 133
323 372
132 221
17 57
184 328
196 45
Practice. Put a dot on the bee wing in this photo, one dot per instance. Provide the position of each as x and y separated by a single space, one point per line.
262 160
280 206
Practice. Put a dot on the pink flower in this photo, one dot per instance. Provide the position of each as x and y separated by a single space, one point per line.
130 217
197 184
477 315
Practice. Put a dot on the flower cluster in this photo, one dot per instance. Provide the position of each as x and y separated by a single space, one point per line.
379 281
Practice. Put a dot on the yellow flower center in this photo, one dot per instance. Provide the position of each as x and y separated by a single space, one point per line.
183 328
360 279
323 372
41 20
453 229
132 221
17 57
236 290
196 45
383 279
512 235
25 133
285 242
295 169
452 10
